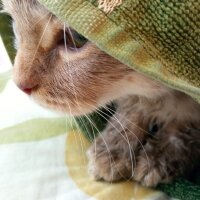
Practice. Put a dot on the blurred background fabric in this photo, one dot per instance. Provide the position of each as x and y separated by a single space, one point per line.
7 33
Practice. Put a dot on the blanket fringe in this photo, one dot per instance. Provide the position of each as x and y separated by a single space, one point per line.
108 5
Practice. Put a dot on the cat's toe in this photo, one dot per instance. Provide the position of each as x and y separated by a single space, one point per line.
109 163
94 169
100 166
149 176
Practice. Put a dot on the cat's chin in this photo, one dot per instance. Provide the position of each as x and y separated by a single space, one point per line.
66 108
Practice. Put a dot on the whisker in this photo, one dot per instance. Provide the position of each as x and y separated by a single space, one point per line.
125 138
107 148
71 78
40 19
41 38
126 135
124 118
72 39
146 155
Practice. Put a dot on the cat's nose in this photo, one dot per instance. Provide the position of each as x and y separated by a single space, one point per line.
27 88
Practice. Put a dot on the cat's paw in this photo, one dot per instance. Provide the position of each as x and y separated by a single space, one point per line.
168 155
110 160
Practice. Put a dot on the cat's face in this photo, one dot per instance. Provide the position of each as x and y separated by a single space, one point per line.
58 75
54 72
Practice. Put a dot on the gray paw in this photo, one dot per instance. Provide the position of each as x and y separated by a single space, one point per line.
110 161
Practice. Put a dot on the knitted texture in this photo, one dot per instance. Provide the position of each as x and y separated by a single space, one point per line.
182 189
169 30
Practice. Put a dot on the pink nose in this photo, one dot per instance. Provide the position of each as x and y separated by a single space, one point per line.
26 88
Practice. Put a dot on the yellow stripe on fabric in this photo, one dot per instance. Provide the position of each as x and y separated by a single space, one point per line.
76 161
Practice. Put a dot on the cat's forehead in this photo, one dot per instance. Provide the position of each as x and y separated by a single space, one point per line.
24 8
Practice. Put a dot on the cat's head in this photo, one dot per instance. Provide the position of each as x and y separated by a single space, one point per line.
58 67
61 69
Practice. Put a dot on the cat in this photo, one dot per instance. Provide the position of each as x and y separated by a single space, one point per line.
154 135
